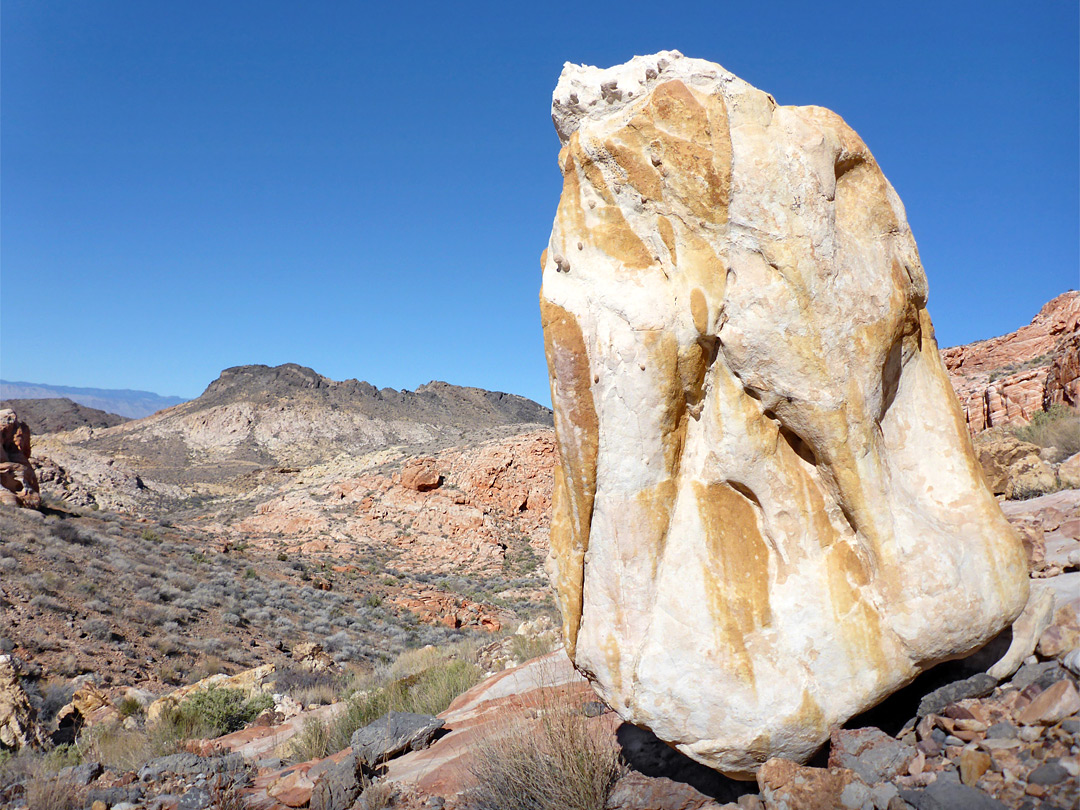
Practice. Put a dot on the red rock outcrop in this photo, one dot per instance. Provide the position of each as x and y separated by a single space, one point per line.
18 482
1008 379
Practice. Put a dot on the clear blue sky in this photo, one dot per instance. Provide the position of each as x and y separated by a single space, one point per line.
365 188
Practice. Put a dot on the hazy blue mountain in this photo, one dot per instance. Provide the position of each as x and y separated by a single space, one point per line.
133 404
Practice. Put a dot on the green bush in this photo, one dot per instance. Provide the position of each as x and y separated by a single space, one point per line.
215 711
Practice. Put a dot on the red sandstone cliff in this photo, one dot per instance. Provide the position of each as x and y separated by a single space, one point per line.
1008 379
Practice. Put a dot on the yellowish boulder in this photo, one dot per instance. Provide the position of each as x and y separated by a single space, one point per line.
767 514
250 681
1012 467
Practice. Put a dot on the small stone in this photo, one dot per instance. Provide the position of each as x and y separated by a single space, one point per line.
1030 733
750 801
978 685
594 708
1049 774
1002 730
973 764
1052 705
99 805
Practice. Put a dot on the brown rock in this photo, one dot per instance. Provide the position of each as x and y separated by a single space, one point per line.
1063 376
786 785
1013 468
293 789
1051 705
250 681
17 477
420 475
636 791
1063 634
973 764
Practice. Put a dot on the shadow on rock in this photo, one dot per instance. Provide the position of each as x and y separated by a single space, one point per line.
650 756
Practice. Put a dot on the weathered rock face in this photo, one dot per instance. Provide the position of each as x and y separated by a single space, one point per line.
1008 379
18 720
767 514
18 483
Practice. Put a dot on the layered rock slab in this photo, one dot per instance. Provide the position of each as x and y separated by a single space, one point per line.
767 515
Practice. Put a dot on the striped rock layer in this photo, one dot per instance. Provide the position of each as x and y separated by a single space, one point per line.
767 515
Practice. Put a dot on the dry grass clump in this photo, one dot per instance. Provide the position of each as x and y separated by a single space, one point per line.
123 749
1058 427
558 762
431 681
48 791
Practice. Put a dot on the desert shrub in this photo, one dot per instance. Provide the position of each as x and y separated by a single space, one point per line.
70 533
97 628
428 692
48 791
525 648
55 695
558 762
43 602
123 749
308 687
1058 427
98 606
215 711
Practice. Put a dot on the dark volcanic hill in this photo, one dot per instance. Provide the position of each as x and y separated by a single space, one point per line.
256 418
55 415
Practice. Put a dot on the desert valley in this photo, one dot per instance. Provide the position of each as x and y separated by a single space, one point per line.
298 592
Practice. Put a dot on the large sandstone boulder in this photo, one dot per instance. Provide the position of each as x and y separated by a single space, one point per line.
18 482
767 515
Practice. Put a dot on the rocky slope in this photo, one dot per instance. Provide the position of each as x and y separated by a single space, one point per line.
1006 380
256 419
60 414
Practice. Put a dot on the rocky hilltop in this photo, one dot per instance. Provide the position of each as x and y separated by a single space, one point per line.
60 414
1006 380
255 418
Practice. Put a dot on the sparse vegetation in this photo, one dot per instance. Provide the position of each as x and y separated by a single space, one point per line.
216 711
1058 427
422 681
558 762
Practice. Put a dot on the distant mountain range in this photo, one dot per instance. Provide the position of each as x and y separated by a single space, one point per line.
124 402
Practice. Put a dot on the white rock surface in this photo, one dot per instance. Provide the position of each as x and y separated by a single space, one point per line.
767 514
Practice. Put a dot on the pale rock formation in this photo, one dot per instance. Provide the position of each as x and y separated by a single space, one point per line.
1008 379
18 719
767 515
18 482
1069 472
1012 467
